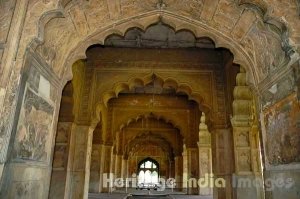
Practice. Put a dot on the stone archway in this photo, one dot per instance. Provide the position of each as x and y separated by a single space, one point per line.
42 56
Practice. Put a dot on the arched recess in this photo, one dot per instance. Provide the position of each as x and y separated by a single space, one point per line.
179 87
150 137
251 12
151 115
173 20
62 142
178 22
153 167
148 159
24 46
154 146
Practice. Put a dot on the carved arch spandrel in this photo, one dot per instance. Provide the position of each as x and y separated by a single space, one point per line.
240 57
262 11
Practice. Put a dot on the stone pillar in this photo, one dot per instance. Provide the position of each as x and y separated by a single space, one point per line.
78 171
185 169
113 168
94 186
246 157
106 155
179 172
193 170
118 166
205 156
223 161
60 160
172 169
124 168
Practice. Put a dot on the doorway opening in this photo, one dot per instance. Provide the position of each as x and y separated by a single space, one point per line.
148 170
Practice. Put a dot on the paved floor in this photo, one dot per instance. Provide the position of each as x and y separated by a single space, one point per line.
125 196
144 194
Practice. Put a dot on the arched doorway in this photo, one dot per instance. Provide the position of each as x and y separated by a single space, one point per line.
243 149
148 171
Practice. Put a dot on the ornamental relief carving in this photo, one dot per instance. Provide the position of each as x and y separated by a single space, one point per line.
243 139
191 8
244 160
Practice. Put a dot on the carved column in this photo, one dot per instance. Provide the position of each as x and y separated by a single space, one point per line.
78 171
119 154
185 168
246 156
193 170
124 173
106 153
179 172
205 155
118 166
94 186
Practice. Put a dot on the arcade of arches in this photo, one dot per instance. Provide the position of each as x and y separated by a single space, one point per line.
153 88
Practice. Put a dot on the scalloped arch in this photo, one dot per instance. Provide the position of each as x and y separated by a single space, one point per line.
171 19
167 83
153 115
141 138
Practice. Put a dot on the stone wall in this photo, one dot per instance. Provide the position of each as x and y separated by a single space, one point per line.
279 117
27 173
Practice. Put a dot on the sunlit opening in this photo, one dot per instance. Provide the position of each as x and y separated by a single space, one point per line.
148 172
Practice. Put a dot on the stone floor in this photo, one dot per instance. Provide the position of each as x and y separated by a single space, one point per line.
126 196
144 194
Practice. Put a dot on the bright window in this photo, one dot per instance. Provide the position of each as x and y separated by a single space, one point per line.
148 171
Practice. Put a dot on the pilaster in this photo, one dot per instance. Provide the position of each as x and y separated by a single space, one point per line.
245 150
205 155
179 172
78 172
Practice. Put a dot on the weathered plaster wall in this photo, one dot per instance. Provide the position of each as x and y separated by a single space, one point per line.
27 173
281 143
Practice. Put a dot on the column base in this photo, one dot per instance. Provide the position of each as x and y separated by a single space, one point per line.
25 180
58 184
247 187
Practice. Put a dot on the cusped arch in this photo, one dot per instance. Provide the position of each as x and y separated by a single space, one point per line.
179 87
147 131
146 137
143 20
148 159
168 82
171 19
151 115
139 144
